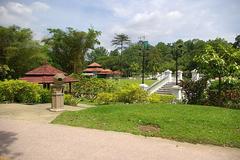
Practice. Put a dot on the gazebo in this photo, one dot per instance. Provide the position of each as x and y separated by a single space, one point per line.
105 73
93 69
96 70
44 75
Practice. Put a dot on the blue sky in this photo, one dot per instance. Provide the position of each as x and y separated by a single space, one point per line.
157 20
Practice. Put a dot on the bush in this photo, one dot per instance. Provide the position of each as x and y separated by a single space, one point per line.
161 98
132 94
154 98
70 100
194 90
165 98
106 98
90 87
19 91
45 96
230 93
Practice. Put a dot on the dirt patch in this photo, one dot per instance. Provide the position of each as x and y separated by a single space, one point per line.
148 128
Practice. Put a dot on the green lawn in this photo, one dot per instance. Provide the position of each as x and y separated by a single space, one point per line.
123 82
196 124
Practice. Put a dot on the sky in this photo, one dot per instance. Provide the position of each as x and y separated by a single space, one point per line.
156 20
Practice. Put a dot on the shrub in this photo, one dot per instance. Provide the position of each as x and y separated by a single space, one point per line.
106 98
165 98
194 90
161 98
132 94
230 93
154 98
90 87
19 91
45 96
70 100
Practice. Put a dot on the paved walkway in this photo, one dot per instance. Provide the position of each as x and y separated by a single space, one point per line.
34 113
30 139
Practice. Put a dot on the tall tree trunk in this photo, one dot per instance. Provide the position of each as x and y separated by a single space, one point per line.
77 64
219 90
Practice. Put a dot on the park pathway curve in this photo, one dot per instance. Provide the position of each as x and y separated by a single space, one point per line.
27 140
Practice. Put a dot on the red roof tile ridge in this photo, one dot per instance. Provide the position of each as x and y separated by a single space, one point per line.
45 69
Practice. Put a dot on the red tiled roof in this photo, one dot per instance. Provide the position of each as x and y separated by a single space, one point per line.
117 72
92 70
44 70
94 65
106 71
45 79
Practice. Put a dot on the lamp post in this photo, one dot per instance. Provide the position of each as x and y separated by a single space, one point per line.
144 48
179 49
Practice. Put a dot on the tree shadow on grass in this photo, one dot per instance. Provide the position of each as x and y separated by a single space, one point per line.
6 139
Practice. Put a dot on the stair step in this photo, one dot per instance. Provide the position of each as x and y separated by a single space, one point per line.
163 92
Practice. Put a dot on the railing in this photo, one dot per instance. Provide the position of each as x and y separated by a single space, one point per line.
155 86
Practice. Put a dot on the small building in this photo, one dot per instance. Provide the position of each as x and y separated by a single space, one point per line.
105 73
44 75
96 70
92 69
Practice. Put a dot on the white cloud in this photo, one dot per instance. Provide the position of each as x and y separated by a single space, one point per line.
162 20
174 14
22 15
18 8
19 13
39 6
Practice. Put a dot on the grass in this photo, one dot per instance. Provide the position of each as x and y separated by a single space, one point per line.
190 123
124 82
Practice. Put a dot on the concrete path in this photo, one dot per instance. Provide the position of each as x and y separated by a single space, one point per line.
25 134
34 113
24 140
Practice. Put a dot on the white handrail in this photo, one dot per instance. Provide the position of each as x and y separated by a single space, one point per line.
155 86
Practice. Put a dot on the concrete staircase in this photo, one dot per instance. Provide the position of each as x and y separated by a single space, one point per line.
166 83
166 89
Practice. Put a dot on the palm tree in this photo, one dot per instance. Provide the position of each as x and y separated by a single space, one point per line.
120 40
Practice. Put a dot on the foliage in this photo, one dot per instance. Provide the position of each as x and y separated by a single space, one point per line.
106 98
45 95
132 94
230 95
219 59
90 87
68 48
237 42
120 40
190 123
154 98
5 72
19 51
165 98
194 90
20 91
161 98
70 100
97 54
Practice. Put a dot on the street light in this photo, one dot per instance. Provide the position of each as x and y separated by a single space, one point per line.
179 49
144 48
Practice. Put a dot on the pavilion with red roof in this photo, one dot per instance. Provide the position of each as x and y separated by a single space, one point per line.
44 75
93 69
96 69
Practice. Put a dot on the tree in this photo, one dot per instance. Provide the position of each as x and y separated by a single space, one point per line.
219 59
19 51
120 40
237 42
68 48
97 54
5 72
